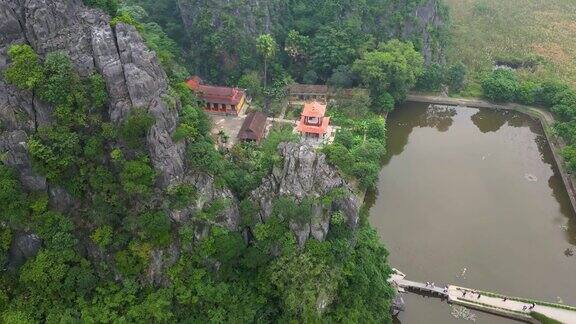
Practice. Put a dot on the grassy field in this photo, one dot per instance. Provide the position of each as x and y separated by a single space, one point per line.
541 34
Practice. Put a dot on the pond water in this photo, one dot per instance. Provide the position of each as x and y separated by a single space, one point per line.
472 197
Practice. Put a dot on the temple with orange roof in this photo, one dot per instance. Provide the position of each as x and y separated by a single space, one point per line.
217 99
313 123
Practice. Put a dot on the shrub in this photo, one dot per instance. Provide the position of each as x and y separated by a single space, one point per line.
203 157
57 86
137 177
181 196
565 112
456 77
154 227
566 130
355 106
13 204
94 148
24 70
376 129
193 124
310 77
501 85
97 90
527 92
342 77
432 78
54 151
549 94
248 212
130 263
289 209
109 6
366 173
126 18
136 126
251 81
382 102
569 155
102 236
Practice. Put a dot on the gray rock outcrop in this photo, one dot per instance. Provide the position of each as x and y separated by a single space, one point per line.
132 73
133 77
427 16
305 173
208 192
24 246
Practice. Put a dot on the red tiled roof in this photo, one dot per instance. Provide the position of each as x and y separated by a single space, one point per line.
215 94
303 128
253 127
314 109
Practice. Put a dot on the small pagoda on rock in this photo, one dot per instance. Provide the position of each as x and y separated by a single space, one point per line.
313 123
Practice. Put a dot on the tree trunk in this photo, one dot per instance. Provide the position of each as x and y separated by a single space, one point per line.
266 86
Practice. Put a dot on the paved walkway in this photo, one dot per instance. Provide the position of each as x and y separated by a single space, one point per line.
503 304
511 307
282 120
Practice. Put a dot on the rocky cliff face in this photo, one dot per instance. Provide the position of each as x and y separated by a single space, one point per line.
133 78
306 174
131 71
427 17
407 19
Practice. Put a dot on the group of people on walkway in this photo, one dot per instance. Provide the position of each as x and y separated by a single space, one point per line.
525 307
432 285
464 292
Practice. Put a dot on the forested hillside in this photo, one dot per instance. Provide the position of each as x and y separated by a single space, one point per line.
314 37
117 206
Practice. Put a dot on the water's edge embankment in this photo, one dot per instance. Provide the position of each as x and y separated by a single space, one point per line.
544 116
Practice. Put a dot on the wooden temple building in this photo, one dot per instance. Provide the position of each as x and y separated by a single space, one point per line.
313 123
254 127
217 99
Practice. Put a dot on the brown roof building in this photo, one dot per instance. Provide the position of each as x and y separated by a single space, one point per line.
223 100
254 127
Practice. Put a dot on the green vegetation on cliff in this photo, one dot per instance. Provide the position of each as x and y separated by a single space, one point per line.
95 260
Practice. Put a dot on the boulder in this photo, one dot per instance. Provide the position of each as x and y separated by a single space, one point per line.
24 246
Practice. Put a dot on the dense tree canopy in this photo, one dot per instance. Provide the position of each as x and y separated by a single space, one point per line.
393 68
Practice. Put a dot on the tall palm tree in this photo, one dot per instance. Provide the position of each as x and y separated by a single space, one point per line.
266 47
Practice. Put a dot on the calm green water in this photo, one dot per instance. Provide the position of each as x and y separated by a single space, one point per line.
475 189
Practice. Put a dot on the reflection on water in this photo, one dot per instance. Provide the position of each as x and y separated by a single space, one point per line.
491 120
488 121
440 117
476 189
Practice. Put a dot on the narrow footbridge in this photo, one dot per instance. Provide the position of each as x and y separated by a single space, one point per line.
511 307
